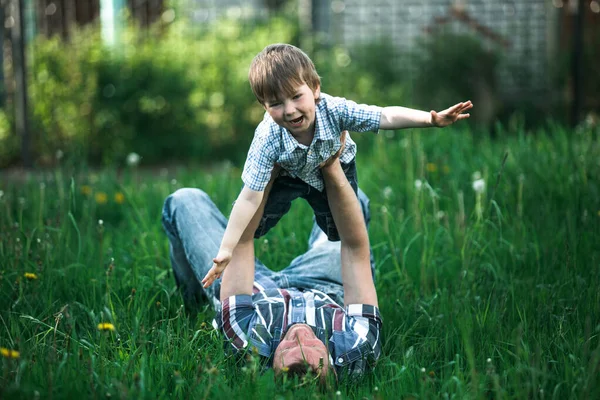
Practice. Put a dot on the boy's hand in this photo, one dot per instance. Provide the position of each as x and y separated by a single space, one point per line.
331 160
451 115
220 263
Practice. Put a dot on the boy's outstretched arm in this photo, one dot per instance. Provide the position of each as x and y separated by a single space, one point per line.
402 117
242 213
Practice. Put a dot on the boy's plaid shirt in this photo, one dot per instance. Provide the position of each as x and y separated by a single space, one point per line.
351 334
274 144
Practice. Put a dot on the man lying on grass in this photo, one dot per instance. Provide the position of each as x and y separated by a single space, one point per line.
294 318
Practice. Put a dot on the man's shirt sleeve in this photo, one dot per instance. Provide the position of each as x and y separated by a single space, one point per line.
357 117
236 314
365 321
261 157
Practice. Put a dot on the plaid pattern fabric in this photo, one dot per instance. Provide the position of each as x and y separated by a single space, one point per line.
259 321
274 144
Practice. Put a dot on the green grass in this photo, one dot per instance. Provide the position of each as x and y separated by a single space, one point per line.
500 303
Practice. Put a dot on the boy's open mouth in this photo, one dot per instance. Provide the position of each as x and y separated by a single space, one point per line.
297 121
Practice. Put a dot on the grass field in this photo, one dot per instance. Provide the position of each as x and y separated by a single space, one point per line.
484 294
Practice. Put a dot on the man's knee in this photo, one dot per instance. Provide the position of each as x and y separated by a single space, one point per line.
180 198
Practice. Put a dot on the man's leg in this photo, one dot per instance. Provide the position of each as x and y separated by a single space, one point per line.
195 227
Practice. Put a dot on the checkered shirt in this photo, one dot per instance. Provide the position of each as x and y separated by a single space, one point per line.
259 321
274 144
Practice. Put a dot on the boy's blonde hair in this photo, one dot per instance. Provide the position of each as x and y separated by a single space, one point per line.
278 70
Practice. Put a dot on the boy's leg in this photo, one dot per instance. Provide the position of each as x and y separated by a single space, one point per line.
285 189
319 203
195 227
320 267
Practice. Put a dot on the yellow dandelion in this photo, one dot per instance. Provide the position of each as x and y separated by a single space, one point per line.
106 326
8 353
101 198
599 213
446 169
431 167
119 198
31 276
86 190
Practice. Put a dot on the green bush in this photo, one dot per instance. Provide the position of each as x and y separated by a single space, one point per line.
175 92
454 67
182 96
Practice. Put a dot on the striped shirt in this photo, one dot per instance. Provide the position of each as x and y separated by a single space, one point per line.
274 144
259 321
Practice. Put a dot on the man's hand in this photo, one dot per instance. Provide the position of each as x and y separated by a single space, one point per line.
220 262
331 160
451 115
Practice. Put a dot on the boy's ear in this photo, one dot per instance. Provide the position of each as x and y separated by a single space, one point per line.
317 92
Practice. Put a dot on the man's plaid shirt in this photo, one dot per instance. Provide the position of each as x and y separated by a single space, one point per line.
274 144
351 334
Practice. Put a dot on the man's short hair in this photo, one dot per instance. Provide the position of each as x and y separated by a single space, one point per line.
278 70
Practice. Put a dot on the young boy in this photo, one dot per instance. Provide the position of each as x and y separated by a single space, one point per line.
301 129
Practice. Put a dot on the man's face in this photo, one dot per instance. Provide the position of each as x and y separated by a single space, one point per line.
301 345
296 113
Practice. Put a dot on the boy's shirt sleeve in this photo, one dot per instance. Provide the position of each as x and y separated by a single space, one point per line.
356 117
261 157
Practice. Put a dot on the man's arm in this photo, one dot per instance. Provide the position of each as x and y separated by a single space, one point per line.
402 117
242 213
347 214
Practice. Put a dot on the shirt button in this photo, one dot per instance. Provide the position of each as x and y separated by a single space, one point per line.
340 360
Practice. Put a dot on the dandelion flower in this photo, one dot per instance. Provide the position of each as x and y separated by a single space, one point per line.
431 167
387 192
86 190
479 186
418 184
133 159
101 198
9 353
31 276
119 198
106 326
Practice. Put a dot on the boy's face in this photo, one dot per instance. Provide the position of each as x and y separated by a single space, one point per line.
296 113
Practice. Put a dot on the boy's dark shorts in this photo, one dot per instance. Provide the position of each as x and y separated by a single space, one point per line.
287 189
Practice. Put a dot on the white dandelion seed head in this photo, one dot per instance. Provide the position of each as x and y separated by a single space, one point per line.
418 184
39 240
384 210
440 214
423 370
173 181
489 360
387 192
479 186
1 193
59 154
133 159
100 222
338 393
476 175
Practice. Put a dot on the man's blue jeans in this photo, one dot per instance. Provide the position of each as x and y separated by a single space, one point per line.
195 227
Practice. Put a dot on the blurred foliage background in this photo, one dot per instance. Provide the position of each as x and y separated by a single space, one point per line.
176 90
